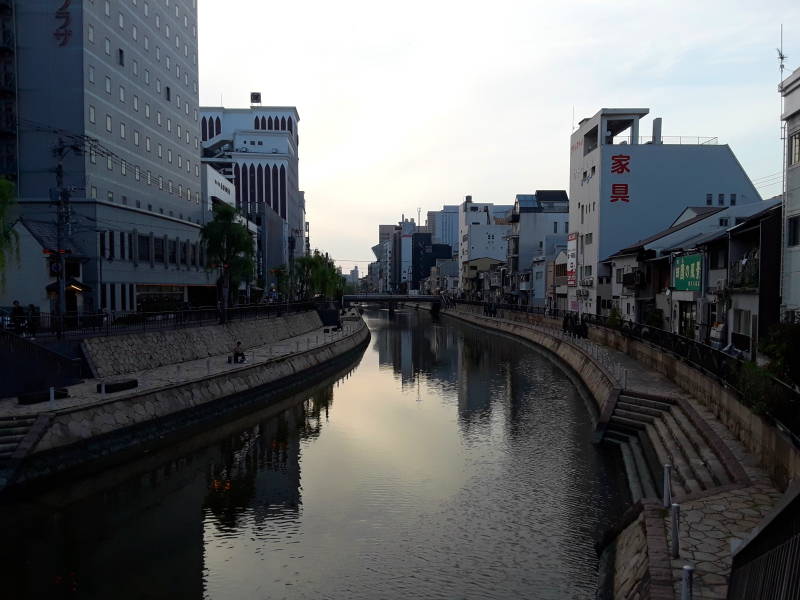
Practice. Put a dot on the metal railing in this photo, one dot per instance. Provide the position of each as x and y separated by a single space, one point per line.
115 323
670 139
767 567
765 394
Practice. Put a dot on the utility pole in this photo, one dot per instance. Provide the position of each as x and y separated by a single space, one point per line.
61 197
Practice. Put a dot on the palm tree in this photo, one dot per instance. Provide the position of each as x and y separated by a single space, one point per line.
9 240
229 247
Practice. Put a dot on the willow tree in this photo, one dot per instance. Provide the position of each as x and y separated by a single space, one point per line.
316 275
229 247
9 240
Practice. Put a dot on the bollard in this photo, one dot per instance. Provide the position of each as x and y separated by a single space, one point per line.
102 388
687 582
52 394
667 485
676 515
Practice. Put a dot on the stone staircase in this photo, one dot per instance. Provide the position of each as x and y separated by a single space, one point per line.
12 431
652 431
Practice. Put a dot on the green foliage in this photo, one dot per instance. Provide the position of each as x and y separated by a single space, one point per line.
767 396
229 247
316 275
754 386
9 240
782 346
614 318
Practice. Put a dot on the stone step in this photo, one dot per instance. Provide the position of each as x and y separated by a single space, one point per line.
633 415
629 461
645 476
645 410
22 429
664 458
7 447
719 474
686 441
14 421
648 402
625 423
11 439
681 469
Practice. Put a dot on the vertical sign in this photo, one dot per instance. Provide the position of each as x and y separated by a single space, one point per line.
620 166
63 32
572 259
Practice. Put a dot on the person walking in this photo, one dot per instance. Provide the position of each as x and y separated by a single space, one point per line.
18 317
34 318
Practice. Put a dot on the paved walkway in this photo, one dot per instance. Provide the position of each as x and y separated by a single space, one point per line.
85 393
712 525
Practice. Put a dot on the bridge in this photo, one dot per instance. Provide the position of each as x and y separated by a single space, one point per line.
392 299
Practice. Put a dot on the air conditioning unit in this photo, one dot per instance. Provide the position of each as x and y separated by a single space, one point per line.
588 282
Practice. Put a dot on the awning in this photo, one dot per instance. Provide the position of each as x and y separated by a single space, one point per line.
72 285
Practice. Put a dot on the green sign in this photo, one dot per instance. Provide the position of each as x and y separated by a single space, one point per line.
687 272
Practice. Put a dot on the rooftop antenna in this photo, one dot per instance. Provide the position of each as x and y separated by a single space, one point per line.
573 117
781 56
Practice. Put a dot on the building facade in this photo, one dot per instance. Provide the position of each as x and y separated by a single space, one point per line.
483 233
623 185
111 129
790 90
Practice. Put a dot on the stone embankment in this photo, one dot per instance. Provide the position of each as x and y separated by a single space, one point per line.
179 389
648 407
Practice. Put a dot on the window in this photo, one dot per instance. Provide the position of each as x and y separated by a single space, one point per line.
794 149
723 222
146 110
90 34
169 155
91 74
144 247
121 94
793 233
721 200
137 173
741 321
147 76
135 66
158 85
109 163
160 151
147 44
555 227
588 238
709 199
134 32
108 85
110 196
158 118
122 130
566 227
733 199
587 271
121 21
108 8
92 155
136 103
619 275
93 192
109 127
108 47
135 138
169 124
91 114
146 10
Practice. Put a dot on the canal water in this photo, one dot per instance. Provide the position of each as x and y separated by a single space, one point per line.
449 462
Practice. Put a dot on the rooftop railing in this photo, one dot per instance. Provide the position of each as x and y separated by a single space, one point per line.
671 139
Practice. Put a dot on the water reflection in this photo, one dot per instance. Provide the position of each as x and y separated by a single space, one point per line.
449 464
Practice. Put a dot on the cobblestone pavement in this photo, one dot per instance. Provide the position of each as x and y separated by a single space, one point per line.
86 393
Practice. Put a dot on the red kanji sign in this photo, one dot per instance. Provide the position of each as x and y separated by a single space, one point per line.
63 34
620 163
619 192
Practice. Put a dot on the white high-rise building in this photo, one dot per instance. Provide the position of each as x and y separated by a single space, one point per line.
624 187
790 89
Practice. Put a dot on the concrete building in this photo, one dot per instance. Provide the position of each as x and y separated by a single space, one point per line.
790 90
623 185
539 226
483 233
424 255
256 149
107 110
443 225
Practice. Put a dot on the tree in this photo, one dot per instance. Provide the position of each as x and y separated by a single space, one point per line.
229 247
314 275
9 240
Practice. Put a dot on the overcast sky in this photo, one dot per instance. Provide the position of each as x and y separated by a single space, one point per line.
407 105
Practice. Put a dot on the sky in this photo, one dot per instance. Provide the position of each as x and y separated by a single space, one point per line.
412 105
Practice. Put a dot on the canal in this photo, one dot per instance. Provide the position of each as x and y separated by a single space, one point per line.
447 463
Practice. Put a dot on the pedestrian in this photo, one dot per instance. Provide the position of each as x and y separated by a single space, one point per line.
34 317
18 317
238 353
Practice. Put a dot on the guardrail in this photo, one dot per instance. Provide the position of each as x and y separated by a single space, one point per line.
765 394
114 323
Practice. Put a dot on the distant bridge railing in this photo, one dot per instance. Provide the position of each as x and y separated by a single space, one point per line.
389 298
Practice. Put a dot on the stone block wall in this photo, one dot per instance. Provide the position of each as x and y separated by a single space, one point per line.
118 355
78 424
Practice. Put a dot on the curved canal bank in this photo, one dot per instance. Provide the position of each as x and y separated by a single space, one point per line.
449 463
178 393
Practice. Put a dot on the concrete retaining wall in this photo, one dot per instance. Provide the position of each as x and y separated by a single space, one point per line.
600 383
117 355
76 425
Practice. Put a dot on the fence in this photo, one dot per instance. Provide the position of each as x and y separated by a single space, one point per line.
115 323
768 566
27 367
765 394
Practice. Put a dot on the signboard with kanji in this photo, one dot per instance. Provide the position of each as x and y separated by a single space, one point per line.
572 259
687 272
620 168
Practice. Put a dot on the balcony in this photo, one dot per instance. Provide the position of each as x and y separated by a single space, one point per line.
561 280
744 273
634 280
